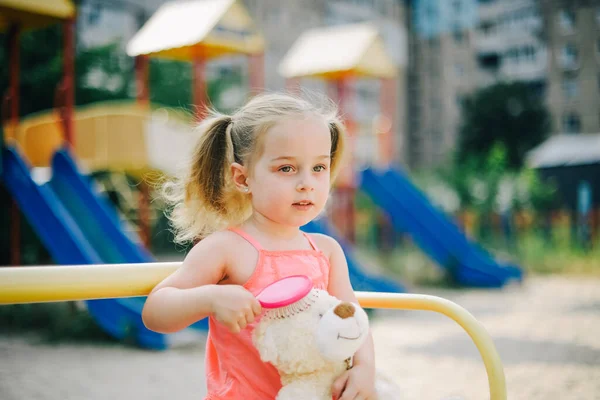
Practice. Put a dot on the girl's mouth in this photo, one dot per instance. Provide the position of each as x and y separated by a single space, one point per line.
303 205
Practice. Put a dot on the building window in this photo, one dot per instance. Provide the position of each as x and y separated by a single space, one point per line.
569 56
566 20
458 34
570 88
487 28
571 123
459 69
598 15
457 5
512 56
530 53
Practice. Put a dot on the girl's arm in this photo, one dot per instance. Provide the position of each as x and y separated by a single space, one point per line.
191 293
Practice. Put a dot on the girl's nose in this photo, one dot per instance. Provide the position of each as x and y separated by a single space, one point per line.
305 186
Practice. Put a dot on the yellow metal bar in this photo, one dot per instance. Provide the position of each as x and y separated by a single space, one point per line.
80 282
87 282
467 321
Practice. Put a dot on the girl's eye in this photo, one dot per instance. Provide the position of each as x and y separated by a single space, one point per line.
286 168
319 168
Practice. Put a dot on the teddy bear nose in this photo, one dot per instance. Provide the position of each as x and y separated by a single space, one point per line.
344 310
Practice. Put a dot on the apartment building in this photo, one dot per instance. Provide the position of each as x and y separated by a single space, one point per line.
440 74
572 34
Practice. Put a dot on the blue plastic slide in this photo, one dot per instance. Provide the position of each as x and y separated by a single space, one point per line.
410 211
77 227
360 280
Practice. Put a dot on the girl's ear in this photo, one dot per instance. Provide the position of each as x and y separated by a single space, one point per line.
240 177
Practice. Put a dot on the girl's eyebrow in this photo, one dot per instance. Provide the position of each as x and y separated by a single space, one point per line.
326 156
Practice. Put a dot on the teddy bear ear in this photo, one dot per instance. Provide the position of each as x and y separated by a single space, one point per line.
265 344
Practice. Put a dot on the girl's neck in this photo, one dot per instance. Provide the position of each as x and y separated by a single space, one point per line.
272 229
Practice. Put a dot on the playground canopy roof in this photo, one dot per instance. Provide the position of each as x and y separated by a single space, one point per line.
184 29
34 13
566 150
340 51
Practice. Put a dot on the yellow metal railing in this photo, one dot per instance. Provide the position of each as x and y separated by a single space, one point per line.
87 282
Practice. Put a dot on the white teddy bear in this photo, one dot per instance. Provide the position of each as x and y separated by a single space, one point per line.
311 343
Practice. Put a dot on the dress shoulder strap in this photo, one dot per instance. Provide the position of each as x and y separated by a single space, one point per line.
248 238
311 241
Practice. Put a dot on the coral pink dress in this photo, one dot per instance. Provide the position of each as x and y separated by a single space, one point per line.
234 370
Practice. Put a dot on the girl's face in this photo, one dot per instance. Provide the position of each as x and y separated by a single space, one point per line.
290 182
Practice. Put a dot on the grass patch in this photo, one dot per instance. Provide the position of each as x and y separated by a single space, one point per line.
535 254
556 255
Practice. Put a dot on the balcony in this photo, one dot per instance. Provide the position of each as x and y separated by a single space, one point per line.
489 43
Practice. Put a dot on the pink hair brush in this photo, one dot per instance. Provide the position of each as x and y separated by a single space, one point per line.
287 296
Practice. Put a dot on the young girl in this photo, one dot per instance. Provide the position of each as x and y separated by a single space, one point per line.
255 178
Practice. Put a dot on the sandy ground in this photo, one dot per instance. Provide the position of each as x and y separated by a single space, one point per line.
547 333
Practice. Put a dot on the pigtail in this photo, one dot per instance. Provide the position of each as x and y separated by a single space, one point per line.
203 200
210 162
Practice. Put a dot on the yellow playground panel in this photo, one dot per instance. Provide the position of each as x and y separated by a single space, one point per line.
69 283
118 136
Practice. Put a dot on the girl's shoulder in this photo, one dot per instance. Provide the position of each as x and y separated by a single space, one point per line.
325 243
220 240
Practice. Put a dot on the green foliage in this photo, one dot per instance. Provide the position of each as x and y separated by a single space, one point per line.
101 73
542 194
508 114
170 83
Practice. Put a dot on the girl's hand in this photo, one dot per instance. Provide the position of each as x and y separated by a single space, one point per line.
357 383
234 307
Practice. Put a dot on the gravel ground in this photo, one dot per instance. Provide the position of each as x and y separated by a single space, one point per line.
546 331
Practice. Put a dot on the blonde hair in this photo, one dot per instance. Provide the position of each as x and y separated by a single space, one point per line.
204 199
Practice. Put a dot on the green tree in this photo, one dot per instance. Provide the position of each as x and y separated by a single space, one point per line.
509 114
41 70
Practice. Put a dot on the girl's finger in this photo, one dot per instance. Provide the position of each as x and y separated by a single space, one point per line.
256 307
350 392
249 316
339 385
234 327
